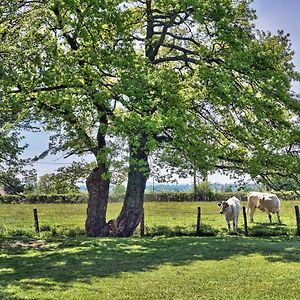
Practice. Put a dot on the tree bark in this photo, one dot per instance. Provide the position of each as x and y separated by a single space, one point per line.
97 183
132 210
98 188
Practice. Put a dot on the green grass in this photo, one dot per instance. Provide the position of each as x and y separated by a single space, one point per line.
63 264
150 268
168 218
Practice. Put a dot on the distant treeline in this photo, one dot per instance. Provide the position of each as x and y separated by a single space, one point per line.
162 197
215 187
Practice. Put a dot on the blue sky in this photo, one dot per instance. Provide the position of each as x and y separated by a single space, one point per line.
272 15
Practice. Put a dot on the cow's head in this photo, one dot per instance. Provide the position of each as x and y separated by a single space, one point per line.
223 206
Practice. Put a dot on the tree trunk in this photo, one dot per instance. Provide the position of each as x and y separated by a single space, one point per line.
132 210
98 188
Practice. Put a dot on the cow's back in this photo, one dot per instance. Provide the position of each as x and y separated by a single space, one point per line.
271 202
253 198
234 203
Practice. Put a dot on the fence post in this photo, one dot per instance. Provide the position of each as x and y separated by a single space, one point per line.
142 224
36 220
198 221
297 219
245 221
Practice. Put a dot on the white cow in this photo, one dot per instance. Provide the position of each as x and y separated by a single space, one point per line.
257 200
231 211
270 204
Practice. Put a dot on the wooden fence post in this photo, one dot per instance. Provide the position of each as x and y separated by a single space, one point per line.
245 221
297 219
142 224
36 220
198 221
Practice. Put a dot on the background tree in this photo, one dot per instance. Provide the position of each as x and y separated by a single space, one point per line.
57 184
12 166
30 184
118 189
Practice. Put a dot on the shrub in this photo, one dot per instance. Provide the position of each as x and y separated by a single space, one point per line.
217 196
44 198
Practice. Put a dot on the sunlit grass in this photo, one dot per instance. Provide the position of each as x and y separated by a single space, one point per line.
169 218
229 267
61 263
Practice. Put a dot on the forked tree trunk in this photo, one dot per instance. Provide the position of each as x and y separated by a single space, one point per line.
98 188
132 210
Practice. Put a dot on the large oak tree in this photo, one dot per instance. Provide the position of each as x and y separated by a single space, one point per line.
191 78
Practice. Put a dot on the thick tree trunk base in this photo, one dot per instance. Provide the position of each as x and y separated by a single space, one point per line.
132 210
126 223
123 226
98 188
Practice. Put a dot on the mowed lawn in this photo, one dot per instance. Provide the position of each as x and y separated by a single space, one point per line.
159 267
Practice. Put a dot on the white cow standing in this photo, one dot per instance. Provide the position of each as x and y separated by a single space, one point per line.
231 211
266 202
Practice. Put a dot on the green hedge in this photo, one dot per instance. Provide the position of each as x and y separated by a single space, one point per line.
216 196
52 198
45 198
161 197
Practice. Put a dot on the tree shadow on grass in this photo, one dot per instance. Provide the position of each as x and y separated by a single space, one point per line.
271 229
205 230
55 265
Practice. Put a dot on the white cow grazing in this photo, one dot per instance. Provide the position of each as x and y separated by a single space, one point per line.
231 211
253 201
270 204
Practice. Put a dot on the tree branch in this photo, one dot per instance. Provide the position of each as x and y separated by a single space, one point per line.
45 89
181 58
179 48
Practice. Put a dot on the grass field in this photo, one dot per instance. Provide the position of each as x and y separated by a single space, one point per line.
63 264
168 218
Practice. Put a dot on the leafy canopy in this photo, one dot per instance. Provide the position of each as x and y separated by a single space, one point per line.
206 89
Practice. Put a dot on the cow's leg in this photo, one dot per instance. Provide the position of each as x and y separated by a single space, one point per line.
235 225
278 216
252 210
270 216
228 226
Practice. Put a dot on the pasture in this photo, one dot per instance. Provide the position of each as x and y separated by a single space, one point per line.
161 218
62 263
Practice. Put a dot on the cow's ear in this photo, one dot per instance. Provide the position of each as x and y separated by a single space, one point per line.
219 204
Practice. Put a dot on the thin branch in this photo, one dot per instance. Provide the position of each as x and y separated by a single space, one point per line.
46 89
181 58
179 48
182 38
